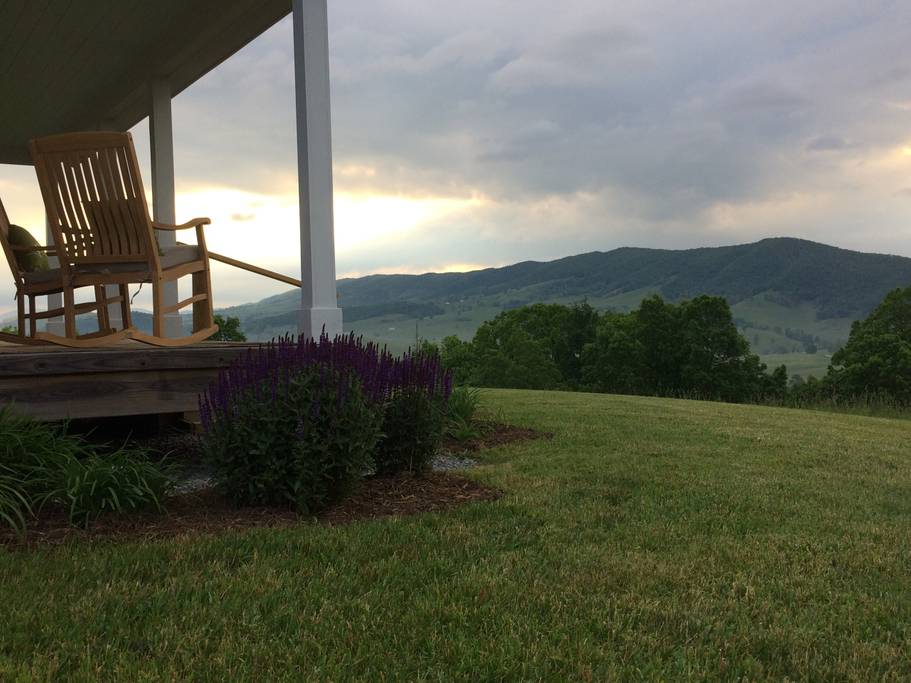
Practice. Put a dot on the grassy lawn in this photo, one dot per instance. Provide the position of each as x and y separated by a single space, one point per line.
650 539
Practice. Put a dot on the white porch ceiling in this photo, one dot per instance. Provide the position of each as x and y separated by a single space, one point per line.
68 65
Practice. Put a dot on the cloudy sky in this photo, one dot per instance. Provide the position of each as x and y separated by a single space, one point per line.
486 132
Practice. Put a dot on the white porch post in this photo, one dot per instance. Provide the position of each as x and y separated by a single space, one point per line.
161 139
115 313
54 325
319 305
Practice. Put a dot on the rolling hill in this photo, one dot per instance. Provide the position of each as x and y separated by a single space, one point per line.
795 300
789 296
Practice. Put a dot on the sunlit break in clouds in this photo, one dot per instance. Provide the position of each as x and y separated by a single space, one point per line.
368 221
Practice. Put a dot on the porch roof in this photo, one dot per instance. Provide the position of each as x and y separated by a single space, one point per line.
84 64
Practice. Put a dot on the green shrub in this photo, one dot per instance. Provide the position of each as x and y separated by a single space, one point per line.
463 404
300 440
27 449
27 445
412 429
14 502
40 464
297 420
462 431
461 409
122 481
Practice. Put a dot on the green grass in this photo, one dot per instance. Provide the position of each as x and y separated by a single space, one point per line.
803 364
651 538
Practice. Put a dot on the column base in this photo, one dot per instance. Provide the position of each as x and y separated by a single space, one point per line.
314 320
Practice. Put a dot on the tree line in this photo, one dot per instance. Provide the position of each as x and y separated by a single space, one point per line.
692 348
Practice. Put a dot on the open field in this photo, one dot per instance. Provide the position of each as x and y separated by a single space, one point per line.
649 539
803 364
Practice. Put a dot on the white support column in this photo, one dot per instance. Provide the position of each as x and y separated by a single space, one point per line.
115 313
161 139
319 305
54 325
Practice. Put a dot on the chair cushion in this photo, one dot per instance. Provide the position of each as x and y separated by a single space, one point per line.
29 261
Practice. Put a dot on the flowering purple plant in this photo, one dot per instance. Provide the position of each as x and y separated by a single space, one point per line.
261 373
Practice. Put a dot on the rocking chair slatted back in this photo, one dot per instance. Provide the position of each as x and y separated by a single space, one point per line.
95 199
104 235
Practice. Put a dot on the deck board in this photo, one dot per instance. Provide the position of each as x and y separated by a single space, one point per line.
55 383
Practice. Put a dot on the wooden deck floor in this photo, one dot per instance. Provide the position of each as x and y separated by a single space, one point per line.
54 383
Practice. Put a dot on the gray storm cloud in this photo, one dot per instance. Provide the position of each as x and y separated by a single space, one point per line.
678 106
649 123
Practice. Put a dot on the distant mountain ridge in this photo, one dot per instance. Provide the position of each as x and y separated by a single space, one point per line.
838 283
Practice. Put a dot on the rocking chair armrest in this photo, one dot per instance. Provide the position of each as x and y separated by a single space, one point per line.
26 249
194 223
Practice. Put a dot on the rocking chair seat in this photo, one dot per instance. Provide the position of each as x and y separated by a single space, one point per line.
177 256
42 277
170 257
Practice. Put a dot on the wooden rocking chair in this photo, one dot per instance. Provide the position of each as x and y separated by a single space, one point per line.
34 283
104 235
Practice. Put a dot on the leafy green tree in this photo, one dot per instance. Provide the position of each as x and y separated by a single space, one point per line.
228 329
715 358
563 331
615 361
429 348
658 330
692 348
775 384
458 356
538 346
877 356
505 355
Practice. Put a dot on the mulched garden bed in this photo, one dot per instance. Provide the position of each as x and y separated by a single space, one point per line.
490 435
206 511
408 495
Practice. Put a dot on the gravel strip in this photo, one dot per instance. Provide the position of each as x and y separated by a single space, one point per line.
444 463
